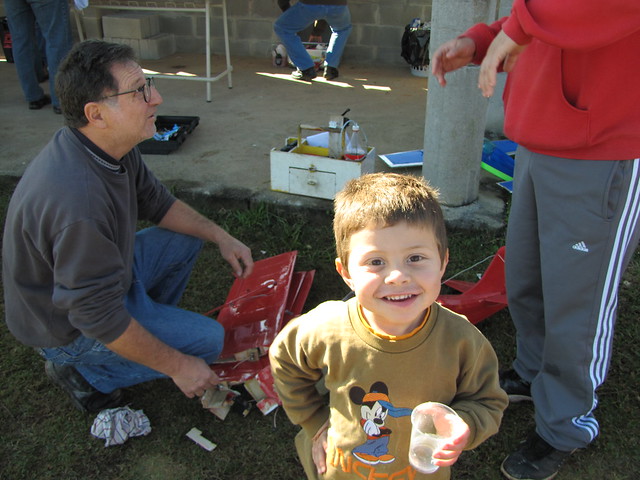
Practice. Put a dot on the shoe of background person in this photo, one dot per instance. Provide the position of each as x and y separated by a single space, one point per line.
330 72
38 104
519 390
83 396
307 74
534 459
57 110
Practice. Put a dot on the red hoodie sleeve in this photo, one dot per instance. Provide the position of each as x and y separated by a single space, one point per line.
483 34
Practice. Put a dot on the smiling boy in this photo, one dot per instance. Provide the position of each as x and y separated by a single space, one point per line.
388 349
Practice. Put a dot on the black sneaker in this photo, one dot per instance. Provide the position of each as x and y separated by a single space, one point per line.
330 72
307 74
57 110
519 390
535 459
38 104
83 396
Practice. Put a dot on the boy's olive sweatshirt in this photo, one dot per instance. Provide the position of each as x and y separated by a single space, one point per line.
374 383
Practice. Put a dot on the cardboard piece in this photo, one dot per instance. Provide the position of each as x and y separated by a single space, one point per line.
196 435
253 314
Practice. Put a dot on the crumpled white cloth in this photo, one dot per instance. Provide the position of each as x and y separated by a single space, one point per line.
116 425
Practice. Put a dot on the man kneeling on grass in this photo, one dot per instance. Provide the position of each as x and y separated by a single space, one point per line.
97 299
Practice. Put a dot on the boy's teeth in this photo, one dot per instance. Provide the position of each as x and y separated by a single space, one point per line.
398 297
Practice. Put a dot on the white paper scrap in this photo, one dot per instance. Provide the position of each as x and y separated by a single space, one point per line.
196 435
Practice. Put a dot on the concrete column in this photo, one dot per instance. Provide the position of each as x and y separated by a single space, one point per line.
456 114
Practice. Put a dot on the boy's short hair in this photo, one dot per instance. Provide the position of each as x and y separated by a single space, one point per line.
384 199
85 75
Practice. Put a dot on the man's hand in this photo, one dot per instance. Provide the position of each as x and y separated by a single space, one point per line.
503 51
237 254
182 218
194 377
450 56
191 374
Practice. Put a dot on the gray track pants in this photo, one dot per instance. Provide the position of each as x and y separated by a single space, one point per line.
572 230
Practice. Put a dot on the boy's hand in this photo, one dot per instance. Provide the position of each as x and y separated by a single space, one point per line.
319 449
448 454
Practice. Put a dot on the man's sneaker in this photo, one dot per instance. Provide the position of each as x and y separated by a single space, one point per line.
535 459
38 104
330 72
83 396
307 74
519 390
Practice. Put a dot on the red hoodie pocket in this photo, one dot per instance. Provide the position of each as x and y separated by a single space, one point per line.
537 113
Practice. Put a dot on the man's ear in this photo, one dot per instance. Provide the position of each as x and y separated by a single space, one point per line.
344 273
93 112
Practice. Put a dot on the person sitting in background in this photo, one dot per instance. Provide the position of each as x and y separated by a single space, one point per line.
300 16
97 299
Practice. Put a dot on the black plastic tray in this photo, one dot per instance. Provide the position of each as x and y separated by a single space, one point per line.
157 147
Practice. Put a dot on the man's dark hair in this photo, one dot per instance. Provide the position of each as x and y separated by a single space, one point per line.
85 76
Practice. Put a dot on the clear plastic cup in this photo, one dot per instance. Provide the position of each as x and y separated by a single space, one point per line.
432 425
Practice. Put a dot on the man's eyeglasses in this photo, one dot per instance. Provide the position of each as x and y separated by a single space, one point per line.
144 89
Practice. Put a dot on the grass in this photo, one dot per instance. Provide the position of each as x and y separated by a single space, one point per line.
44 437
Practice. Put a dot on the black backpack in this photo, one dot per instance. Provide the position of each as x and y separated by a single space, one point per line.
415 45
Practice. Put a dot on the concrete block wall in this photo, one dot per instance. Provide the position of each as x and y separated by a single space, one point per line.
131 25
139 30
378 26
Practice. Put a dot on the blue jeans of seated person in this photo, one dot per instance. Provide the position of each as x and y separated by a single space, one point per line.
52 16
299 17
163 261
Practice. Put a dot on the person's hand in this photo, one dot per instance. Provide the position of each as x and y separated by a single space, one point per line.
319 449
450 56
448 454
238 255
195 376
503 51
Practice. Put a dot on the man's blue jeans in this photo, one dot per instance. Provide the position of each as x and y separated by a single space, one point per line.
299 17
52 16
163 261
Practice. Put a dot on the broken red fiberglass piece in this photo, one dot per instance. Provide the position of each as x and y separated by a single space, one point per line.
255 311
481 299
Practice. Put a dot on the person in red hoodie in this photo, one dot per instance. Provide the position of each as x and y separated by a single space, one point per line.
571 103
